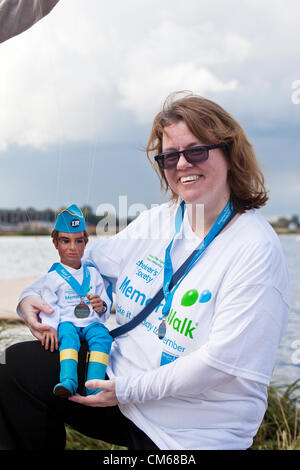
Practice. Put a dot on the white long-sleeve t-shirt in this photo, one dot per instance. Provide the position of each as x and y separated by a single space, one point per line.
58 293
226 322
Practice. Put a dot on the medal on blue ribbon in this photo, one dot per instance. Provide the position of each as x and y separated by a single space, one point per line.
162 329
226 215
81 310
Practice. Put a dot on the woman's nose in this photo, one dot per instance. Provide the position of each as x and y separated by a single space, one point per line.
183 163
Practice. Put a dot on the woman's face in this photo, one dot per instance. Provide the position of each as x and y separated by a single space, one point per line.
210 185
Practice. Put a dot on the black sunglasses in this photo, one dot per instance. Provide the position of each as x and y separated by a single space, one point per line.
199 154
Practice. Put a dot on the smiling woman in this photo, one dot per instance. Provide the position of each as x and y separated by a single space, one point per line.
195 374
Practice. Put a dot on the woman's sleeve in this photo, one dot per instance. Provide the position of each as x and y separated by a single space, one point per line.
246 333
18 15
105 258
186 377
251 315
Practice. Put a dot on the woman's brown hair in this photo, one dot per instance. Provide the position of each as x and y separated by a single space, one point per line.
211 124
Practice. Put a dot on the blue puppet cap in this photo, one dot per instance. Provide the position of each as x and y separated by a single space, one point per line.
70 220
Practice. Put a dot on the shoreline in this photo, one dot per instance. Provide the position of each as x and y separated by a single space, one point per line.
10 290
21 233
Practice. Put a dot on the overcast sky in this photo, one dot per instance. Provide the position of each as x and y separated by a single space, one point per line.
79 91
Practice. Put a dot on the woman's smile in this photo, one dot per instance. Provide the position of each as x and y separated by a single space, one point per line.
189 179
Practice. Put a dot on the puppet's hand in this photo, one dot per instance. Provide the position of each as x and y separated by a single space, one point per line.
107 397
50 338
97 303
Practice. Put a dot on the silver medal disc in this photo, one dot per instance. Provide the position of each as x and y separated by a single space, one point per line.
82 310
162 330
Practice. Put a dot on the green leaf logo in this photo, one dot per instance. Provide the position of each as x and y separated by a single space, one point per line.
190 298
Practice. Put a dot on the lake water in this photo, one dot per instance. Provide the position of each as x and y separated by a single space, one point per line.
23 257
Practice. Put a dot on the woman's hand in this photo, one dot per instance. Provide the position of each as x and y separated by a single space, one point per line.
105 398
50 339
30 307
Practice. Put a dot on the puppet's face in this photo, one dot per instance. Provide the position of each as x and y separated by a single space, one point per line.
71 247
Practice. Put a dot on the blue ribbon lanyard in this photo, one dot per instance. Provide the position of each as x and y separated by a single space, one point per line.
82 289
226 215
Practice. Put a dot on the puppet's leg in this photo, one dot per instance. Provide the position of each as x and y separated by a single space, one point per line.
69 344
99 341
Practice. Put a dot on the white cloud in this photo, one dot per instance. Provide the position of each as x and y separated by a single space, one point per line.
72 75
144 93
175 57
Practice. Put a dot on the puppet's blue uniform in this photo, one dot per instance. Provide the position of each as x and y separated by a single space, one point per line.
99 341
62 289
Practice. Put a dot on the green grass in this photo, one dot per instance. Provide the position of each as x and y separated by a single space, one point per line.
77 441
280 429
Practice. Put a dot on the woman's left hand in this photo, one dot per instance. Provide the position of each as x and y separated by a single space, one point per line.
105 398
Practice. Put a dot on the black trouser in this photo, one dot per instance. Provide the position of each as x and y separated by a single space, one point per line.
32 418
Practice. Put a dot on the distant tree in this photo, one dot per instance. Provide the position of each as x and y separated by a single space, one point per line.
48 215
282 222
295 220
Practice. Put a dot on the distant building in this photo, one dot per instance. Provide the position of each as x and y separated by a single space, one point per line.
26 219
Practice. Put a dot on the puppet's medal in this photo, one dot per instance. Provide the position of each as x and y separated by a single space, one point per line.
162 329
82 310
